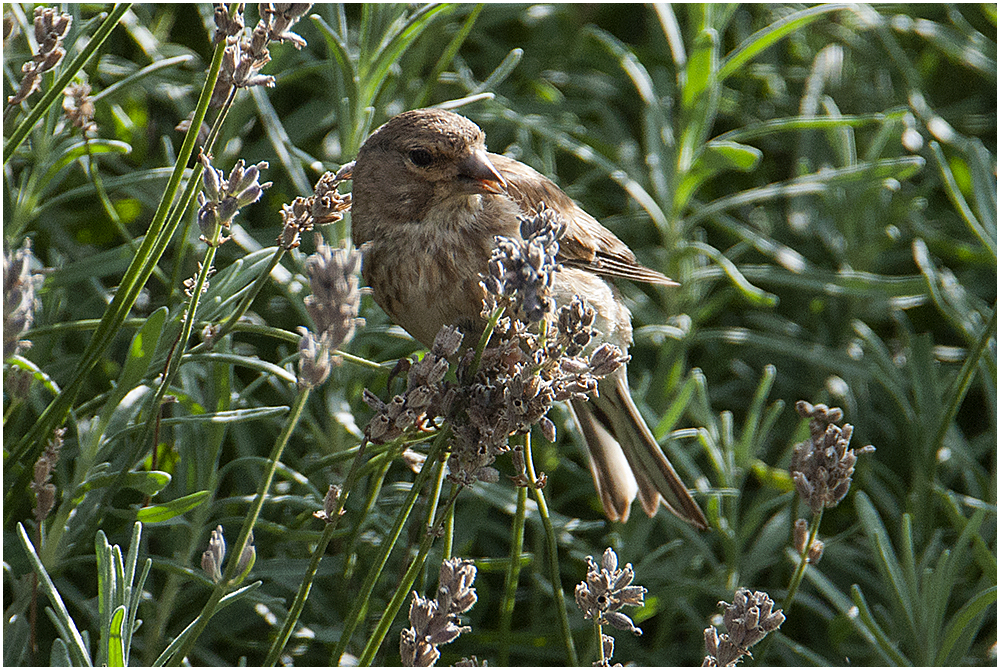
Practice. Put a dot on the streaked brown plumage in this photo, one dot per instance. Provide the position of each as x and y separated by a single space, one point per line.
427 201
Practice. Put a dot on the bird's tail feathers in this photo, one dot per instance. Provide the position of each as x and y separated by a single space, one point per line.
613 428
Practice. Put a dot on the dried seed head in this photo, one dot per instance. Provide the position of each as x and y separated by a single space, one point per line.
50 29
822 465
748 620
45 490
278 17
606 590
221 199
329 505
436 622
79 108
247 559
522 271
315 361
815 552
227 26
336 296
575 326
800 535
19 301
211 558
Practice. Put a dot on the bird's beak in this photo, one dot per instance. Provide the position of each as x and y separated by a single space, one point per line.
478 167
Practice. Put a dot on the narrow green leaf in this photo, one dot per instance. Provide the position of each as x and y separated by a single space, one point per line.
984 555
865 618
59 656
138 75
16 636
77 650
500 72
755 295
133 608
815 183
131 561
178 641
676 409
105 591
767 37
887 562
150 483
758 129
728 155
140 353
963 627
116 652
755 415
79 149
167 511
701 69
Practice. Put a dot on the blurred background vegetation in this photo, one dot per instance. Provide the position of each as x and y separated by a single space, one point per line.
822 182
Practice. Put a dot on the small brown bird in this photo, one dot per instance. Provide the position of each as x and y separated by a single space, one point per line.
428 200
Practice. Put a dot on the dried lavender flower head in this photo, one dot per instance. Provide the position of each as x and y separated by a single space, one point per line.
606 590
314 359
79 108
212 558
50 29
436 622
334 279
822 465
221 199
427 395
41 484
278 17
749 619
523 270
323 207
19 300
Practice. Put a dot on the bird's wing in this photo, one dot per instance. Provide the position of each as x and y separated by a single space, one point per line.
586 244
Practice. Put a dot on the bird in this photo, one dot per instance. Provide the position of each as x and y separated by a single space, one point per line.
428 198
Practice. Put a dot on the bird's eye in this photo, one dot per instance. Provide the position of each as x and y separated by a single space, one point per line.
421 157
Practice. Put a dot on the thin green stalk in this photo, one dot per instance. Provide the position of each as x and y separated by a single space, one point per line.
363 596
435 496
392 609
485 338
278 645
760 650
449 528
513 571
800 569
374 490
223 586
299 603
177 352
23 128
599 634
552 547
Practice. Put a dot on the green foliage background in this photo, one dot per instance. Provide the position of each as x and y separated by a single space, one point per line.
822 182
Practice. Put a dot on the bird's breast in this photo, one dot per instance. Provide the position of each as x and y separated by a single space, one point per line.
425 274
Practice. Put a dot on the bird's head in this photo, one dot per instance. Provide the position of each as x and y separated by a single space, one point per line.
419 160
